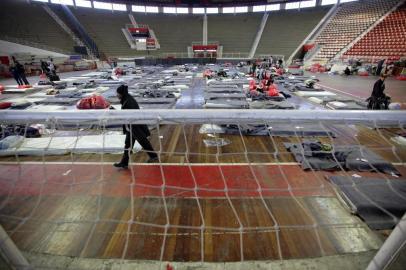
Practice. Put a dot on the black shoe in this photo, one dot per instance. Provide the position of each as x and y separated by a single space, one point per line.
121 165
153 160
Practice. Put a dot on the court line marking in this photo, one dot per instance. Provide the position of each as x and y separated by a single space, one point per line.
164 164
146 164
341 91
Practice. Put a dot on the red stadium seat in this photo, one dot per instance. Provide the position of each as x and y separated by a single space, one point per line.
92 103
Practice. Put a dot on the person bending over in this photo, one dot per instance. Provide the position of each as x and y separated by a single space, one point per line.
378 99
133 132
347 71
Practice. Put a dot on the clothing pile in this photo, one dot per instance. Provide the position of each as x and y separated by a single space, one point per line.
93 102
18 130
319 156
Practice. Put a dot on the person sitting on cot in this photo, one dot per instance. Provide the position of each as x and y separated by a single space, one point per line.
271 89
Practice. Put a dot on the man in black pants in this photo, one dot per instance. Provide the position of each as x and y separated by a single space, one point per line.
21 72
14 72
133 132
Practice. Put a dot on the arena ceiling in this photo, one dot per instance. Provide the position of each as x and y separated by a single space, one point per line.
200 2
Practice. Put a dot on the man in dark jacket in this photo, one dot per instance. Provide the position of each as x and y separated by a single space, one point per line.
14 72
133 132
378 99
21 72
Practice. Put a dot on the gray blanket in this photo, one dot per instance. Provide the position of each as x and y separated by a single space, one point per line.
234 96
269 104
379 202
226 104
310 155
277 130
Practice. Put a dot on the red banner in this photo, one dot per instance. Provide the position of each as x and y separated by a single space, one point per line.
204 47
150 41
138 30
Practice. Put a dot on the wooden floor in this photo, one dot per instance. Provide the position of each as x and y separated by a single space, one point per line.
254 206
361 87
248 200
125 215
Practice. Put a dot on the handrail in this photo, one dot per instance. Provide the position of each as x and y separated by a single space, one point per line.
313 51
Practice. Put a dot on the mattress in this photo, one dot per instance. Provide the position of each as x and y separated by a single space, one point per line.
399 140
269 104
315 93
64 145
316 100
224 86
56 100
177 86
337 105
211 96
224 90
226 104
155 100
19 91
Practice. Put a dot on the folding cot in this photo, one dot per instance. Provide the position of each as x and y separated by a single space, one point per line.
233 96
226 104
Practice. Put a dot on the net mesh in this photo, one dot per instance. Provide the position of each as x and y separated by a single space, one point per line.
237 198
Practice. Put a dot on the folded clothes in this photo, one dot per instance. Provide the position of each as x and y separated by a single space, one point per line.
14 130
20 105
52 91
266 130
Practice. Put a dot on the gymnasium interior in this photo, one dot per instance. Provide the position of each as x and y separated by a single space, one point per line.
252 134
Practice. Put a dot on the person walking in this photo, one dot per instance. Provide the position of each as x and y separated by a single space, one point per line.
133 133
21 72
13 70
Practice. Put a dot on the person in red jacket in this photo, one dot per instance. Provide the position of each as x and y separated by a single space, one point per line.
271 89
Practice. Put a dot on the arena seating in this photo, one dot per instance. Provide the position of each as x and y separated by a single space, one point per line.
174 33
285 30
386 40
31 23
104 27
351 20
235 33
